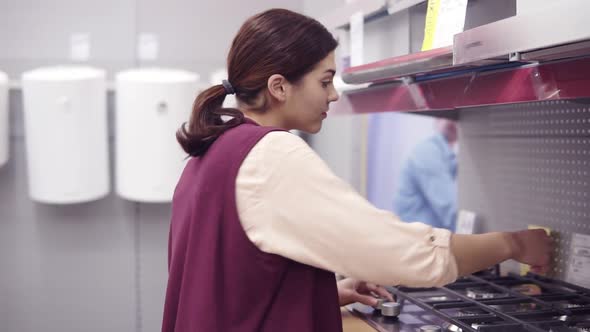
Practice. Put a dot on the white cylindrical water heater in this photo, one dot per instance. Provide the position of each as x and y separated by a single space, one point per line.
4 134
151 105
66 134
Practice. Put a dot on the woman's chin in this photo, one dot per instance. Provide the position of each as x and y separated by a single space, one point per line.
314 129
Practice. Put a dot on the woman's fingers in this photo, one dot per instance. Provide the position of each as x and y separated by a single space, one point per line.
365 299
380 291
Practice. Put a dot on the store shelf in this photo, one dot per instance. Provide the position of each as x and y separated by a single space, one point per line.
518 59
436 60
475 86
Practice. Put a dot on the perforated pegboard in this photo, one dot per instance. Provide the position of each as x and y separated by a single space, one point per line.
528 164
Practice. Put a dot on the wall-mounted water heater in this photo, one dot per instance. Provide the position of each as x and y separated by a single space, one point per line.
151 105
66 135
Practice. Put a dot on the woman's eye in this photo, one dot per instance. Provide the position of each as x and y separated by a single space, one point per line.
325 84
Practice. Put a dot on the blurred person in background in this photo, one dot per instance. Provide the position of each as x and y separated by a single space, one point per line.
427 186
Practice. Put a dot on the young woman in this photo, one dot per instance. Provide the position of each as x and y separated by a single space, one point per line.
260 224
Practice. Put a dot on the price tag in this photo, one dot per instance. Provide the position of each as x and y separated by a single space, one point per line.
444 19
465 222
578 271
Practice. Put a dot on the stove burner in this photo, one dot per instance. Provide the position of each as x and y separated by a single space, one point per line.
569 329
516 307
544 317
465 312
453 328
477 326
484 293
570 303
490 322
434 296
528 289
472 311
578 321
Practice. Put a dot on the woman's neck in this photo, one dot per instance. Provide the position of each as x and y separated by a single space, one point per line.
265 119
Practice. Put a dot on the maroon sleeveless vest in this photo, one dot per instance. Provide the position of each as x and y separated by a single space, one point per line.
219 281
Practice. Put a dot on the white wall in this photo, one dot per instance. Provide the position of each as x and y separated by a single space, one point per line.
194 35
316 8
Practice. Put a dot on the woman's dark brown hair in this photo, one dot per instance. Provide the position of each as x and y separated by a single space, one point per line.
277 41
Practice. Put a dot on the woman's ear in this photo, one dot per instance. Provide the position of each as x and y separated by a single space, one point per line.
277 87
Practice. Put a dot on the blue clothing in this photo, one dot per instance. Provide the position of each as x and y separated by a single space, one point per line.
427 189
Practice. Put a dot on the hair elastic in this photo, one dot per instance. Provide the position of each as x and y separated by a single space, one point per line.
229 89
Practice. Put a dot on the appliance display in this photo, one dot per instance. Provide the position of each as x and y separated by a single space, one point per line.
486 302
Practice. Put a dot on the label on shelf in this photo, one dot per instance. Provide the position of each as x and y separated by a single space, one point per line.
465 222
444 19
578 271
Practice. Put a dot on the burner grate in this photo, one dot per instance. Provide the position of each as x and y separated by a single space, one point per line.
492 303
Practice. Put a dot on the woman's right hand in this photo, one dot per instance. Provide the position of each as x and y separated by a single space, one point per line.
479 251
532 247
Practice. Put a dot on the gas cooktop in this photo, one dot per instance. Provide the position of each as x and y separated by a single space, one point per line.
486 303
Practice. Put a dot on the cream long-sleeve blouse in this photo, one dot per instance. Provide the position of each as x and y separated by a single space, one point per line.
291 204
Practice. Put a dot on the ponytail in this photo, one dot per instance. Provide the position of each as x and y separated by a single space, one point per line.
206 124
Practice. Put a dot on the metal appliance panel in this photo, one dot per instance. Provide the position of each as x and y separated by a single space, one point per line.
528 164
562 23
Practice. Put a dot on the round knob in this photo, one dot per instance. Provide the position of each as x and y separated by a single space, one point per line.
390 309
430 328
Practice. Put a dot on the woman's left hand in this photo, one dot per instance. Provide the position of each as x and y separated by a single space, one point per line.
351 290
